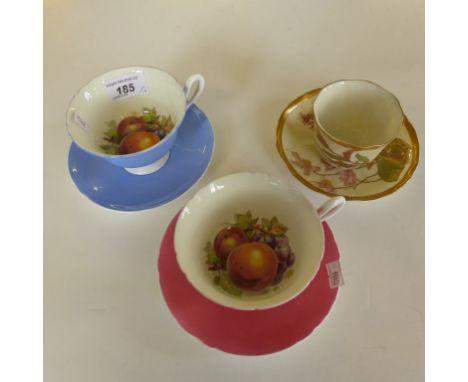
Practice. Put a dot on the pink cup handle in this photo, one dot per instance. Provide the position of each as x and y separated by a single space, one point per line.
330 208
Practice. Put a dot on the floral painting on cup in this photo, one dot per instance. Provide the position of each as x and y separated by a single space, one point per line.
300 147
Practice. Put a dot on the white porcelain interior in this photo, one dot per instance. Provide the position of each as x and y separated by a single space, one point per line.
95 107
358 112
264 196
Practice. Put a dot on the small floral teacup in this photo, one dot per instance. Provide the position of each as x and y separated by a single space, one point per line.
354 121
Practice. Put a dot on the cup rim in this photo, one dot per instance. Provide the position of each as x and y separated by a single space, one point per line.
113 156
231 303
346 144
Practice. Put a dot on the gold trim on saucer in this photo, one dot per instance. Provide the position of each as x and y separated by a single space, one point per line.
279 145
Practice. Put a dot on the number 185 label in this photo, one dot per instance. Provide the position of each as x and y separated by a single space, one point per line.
126 86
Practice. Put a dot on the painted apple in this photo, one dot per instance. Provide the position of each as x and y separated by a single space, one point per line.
252 266
130 125
227 239
137 141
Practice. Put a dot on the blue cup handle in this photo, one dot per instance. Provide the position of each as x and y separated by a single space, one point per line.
193 88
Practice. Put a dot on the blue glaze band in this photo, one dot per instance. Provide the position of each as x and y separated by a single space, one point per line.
113 187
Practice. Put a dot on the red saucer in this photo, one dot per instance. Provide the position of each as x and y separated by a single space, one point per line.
246 332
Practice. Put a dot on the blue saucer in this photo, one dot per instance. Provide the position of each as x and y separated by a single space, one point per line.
115 188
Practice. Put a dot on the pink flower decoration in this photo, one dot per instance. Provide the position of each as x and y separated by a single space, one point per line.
308 119
305 164
347 154
326 185
348 177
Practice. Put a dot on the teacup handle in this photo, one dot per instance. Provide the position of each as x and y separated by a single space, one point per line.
330 207
194 80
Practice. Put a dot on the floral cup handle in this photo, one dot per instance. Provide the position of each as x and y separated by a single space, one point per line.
330 208
196 82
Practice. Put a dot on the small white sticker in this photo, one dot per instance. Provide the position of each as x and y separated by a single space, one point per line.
81 123
335 276
126 86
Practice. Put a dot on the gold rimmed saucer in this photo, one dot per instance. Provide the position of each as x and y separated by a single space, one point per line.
371 180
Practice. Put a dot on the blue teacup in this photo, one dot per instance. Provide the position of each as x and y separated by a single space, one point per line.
120 93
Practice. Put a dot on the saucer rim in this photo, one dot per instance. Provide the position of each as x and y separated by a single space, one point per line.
136 210
279 146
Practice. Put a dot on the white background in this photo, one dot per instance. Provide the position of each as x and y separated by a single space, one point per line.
104 315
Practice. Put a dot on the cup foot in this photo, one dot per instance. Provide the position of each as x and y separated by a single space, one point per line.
149 169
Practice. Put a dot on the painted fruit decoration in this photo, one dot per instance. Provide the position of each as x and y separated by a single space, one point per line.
130 125
252 266
227 239
137 141
136 132
250 255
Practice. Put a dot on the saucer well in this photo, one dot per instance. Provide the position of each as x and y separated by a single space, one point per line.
113 187
244 332
378 178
